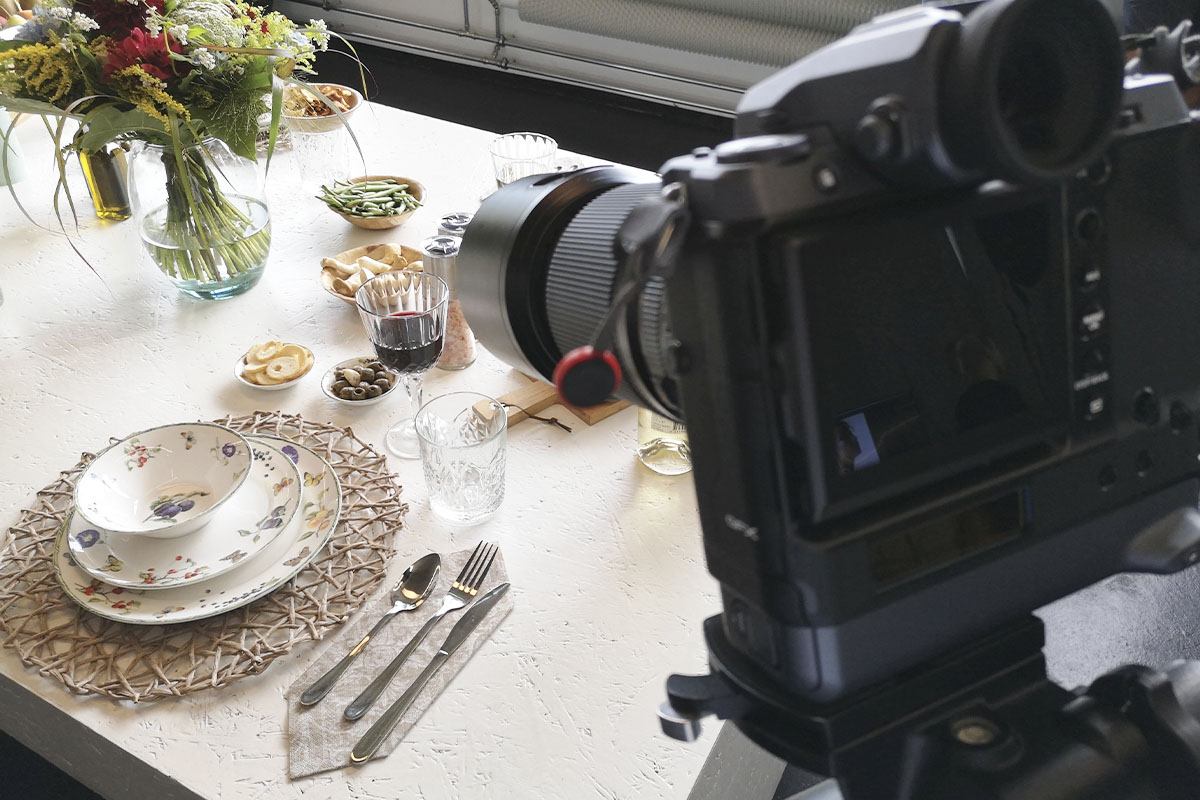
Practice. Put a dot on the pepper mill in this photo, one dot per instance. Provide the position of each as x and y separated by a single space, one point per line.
439 257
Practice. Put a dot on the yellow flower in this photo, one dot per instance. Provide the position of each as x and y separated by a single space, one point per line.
43 72
147 93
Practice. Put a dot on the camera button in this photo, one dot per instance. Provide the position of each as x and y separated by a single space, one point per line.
1094 408
1145 407
1107 477
1181 417
1089 276
1088 225
1091 322
763 149
826 178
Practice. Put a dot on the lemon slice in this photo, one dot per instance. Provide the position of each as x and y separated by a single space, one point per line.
283 368
250 368
263 352
297 351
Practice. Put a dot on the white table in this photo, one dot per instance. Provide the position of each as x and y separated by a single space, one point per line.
605 556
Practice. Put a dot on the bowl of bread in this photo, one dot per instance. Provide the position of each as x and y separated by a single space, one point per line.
341 275
273 365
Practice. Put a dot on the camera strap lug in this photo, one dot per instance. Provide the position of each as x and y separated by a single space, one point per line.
649 242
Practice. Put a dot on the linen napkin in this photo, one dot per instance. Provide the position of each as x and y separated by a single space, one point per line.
319 738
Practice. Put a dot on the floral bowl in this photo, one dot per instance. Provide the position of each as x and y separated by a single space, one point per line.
163 482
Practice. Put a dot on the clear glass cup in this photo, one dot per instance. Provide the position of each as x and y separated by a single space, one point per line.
463 437
519 155
404 312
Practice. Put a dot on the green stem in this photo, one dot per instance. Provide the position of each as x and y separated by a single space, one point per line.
211 234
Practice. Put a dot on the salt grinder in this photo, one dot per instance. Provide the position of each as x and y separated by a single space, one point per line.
455 224
439 257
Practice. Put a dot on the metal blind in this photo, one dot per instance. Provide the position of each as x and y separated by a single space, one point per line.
770 32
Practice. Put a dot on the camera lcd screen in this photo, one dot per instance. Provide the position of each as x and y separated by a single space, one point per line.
938 340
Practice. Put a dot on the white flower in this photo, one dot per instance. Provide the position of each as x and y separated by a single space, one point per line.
212 18
154 23
66 44
179 33
318 31
60 13
83 23
204 58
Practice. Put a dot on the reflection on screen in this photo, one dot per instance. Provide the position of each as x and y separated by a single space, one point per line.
855 445
934 338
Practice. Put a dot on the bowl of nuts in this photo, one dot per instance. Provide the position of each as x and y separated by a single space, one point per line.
305 112
359 381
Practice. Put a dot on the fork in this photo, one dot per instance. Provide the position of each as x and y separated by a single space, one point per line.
462 591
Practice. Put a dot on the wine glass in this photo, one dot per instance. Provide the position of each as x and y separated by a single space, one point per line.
404 312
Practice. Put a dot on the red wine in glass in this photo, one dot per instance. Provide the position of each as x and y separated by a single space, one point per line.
413 346
407 360
404 313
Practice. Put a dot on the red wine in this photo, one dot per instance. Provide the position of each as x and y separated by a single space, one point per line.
418 358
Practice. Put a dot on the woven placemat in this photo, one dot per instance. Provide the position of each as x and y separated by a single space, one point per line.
91 655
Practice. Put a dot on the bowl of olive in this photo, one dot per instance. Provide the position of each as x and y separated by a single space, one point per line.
359 381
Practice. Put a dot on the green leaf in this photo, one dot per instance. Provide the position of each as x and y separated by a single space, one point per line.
276 110
22 105
108 123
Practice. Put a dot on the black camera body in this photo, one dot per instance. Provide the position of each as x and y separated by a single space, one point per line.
910 395
929 320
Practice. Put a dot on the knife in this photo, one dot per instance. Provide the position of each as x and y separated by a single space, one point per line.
471 618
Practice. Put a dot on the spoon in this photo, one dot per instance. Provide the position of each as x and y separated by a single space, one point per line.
408 593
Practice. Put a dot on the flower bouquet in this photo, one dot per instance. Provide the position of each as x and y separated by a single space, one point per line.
186 81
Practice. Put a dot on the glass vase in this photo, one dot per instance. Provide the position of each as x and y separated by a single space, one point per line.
203 218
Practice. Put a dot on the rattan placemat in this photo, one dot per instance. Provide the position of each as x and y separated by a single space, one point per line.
91 655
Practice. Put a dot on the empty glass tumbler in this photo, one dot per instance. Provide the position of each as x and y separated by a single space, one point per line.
519 155
463 438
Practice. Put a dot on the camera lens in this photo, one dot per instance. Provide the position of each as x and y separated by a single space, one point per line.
539 269
1032 88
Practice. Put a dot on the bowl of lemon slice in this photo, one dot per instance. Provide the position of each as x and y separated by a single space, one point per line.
273 365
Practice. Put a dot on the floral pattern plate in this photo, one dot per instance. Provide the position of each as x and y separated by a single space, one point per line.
247 523
258 575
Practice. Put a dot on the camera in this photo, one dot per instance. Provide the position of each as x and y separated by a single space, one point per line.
930 321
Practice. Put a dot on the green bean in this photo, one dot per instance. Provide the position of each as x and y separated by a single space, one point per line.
369 198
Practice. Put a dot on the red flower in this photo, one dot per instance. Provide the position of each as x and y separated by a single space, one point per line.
116 18
149 52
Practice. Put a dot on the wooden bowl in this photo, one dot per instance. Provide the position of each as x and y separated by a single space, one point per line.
331 122
410 254
415 188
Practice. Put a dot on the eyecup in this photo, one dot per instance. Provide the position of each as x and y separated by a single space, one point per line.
1032 88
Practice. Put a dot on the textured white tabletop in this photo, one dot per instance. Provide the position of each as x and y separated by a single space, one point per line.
605 556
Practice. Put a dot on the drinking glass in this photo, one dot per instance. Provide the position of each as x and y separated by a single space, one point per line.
519 155
462 454
404 312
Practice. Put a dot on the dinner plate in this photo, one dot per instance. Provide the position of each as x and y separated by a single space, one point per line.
290 552
245 524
